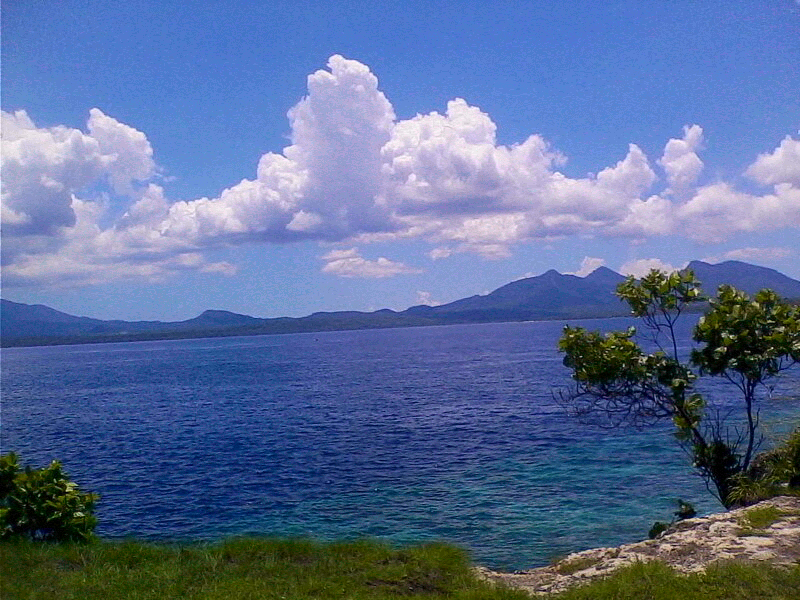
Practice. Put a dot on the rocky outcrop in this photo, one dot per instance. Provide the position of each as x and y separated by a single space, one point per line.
767 531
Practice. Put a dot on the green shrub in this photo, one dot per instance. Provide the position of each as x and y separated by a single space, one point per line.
43 504
685 510
772 473
657 529
747 341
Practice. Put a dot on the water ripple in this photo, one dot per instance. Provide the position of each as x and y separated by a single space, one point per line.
409 435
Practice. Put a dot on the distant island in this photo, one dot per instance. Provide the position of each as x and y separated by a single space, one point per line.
550 296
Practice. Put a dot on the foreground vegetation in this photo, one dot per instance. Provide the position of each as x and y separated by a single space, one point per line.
240 568
301 569
48 550
655 581
745 341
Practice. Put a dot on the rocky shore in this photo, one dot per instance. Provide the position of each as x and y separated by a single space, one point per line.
767 531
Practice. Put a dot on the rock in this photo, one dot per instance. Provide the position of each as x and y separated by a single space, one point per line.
688 546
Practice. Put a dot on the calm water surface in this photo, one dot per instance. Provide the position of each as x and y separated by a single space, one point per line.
404 434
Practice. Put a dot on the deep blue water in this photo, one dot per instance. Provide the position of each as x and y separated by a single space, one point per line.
404 434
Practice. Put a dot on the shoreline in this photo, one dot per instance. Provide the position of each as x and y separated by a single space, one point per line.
688 546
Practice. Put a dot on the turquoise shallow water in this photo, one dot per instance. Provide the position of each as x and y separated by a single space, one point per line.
407 434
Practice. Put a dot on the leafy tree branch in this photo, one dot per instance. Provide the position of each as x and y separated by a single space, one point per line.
746 341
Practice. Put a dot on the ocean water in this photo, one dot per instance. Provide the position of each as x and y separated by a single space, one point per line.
409 435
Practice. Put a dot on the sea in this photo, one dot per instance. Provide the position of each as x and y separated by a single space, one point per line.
455 433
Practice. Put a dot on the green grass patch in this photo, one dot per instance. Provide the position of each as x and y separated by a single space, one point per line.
760 517
656 581
568 567
239 569
756 519
301 569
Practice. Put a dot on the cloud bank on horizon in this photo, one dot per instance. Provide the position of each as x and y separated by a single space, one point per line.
87 207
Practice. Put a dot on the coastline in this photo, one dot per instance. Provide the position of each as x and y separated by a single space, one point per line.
688 546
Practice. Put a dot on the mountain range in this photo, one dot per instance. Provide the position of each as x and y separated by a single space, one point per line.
551 295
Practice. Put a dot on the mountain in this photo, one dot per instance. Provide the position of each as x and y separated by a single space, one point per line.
221 318
744 276
18 320
551 295
548 296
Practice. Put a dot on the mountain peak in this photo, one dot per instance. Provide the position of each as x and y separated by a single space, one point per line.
212 312
604 275
222 318
602 271
744 276
699 264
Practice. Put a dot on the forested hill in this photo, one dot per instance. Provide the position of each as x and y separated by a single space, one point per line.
551 295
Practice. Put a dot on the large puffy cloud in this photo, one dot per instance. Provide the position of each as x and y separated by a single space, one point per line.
354 174
451 165
52 235
680 160
130 154
595 203
780 166
326 185
338 131
449 179
42 168
652 217
88 254
718 211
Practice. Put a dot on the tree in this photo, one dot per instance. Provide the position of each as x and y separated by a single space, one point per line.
745 341
43 504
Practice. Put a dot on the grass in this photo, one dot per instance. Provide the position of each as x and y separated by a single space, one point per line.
239 569
761 517
756 519
301 569
568 567
656 581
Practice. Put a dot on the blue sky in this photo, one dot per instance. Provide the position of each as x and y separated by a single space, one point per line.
281 158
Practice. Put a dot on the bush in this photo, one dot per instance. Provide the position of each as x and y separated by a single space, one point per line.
43 504
772 473
685 511
657 529
746 341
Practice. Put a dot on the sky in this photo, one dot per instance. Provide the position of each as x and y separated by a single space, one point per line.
283 158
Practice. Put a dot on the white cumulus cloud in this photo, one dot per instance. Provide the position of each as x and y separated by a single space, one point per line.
43 168
641 267
680 160
780 166
589 264
426 299
718 211
349 263
354 174
131 156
